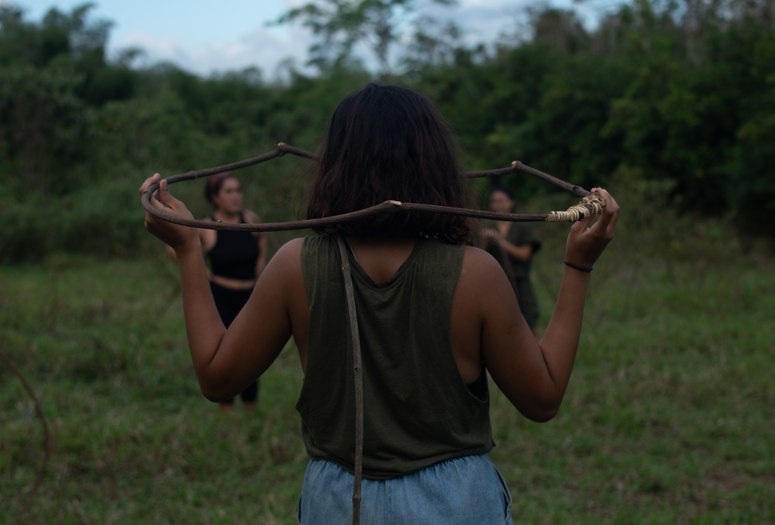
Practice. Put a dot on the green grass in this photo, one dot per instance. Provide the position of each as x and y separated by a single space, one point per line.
668 418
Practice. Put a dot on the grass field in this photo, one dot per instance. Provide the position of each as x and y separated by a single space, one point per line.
669 417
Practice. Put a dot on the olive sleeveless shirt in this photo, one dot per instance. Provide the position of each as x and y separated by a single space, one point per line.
417 409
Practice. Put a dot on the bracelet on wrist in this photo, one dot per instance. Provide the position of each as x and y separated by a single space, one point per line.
579 268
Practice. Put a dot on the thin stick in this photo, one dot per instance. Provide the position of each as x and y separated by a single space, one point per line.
280 150
385 207
518 167
46 442
283 149
358 468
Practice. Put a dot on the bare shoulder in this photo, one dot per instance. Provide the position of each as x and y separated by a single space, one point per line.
282 281
482 285
479 267
287 261
291 249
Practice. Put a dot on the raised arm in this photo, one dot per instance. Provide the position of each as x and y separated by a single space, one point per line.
534 375
226 362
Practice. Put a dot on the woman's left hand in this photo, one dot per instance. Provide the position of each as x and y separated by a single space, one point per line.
586 241
177 236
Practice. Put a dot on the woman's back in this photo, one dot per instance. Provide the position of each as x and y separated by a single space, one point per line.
420 411
485 322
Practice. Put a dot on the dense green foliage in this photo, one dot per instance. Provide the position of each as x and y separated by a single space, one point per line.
681 93
668 417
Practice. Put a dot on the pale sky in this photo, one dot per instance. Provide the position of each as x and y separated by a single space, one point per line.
205 36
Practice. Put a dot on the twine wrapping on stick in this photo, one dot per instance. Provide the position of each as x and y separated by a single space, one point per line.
594 204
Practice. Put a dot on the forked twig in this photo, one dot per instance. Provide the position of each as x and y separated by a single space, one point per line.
46 442
283 149
518 167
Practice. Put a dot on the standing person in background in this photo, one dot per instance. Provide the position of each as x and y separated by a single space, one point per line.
236 259
513 245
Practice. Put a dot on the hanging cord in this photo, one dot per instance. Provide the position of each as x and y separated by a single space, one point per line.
46 441
357 369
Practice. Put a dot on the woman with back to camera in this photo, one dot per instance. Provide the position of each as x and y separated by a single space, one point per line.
513 244
433 314
236 260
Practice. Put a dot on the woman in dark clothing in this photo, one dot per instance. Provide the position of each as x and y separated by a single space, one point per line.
434 314
513 245
236 260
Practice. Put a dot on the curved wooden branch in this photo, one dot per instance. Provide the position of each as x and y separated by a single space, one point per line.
283 149
46 441
385 207
518 167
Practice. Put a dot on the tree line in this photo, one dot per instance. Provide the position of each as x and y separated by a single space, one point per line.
681 93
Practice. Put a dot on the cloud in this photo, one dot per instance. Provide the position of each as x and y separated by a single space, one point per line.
482 21
263 47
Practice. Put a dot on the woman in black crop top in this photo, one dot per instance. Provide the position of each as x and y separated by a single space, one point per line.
236 259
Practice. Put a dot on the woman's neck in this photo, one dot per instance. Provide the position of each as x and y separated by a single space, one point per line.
224 216
381 257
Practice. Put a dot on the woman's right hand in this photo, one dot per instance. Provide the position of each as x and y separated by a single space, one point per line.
176 236
585 242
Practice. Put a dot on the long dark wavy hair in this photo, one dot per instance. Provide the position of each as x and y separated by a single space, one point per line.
389 143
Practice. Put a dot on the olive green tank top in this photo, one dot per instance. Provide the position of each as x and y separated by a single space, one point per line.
417 409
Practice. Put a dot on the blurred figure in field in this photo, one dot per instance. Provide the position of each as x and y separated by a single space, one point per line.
513 245
236 259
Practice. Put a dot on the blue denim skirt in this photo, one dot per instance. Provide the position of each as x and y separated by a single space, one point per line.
465 490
